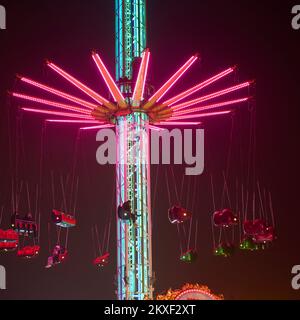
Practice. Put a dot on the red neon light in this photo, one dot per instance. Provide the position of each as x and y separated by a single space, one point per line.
60 93
138 93
50 103
98 127
62 114
179 123
82 87
202 115
114 90
198 87
170 83
211 96
210 106
73 121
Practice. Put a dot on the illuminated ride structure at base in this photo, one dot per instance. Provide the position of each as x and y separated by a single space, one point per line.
134 110
190 292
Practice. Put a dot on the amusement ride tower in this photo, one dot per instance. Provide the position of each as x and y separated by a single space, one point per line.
133 111
133 165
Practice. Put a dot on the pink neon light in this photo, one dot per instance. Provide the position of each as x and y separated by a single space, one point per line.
211 96
114 90
202 115
198 87
179 123
98 127
73 121
62 114
154 128
79 85
146 73
210 106
142 76
50 103
60 93
171 82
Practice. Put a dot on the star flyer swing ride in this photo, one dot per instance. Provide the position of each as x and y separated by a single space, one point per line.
133 111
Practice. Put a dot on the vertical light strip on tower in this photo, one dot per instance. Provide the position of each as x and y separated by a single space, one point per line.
133 167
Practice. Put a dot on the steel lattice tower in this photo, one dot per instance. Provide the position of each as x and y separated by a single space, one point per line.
133 167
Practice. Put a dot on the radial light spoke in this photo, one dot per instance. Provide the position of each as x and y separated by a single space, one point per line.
210 107
73 121
51 103
202 115
211 96
98 127
59 93
170 83
113 88
82 87
177 123
61 114
138 94
198 87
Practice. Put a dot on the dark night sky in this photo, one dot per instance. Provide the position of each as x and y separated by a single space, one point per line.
256 35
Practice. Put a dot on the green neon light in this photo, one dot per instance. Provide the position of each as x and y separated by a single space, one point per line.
133 180
130 35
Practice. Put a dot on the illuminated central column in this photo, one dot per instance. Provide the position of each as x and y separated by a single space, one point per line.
133 184
133 166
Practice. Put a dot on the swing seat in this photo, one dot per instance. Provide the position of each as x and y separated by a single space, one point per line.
102 261
59 255
254 227
28 252
190 256
267 237
8 246
178 215
49 263
24 225
225 218
125 214
224 250
63 220
9 236
248 244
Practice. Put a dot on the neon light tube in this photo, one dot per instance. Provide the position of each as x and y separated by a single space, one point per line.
114 90
50 103
73 121
138 93
98 127
211 96
174 123
154 128
59 93
202 115
62 114
198 87
170 83
82 87
210 106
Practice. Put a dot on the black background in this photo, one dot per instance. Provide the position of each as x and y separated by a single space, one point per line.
255 35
